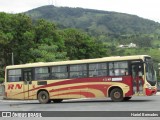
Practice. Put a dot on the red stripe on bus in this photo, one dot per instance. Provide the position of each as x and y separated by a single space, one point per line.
73 81
86 94
102 88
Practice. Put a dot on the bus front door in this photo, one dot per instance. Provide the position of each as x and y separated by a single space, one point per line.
27 76
137 78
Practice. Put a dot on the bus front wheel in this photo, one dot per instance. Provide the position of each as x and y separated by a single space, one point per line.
43 97
116 95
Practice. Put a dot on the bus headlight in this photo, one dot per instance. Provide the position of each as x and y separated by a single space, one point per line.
149 86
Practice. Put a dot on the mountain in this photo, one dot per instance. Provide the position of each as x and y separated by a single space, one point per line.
95 22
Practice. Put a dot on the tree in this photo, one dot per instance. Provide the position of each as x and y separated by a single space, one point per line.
49 46
81 46
46 53
16 36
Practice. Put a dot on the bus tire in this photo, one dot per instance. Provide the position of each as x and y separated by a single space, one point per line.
43 97
57 100
127 98
116 95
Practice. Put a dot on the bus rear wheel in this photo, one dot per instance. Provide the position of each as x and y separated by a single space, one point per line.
43 97
57 100
116 95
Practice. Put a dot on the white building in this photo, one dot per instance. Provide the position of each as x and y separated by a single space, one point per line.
131 45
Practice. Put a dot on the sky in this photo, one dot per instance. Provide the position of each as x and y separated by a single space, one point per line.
149 9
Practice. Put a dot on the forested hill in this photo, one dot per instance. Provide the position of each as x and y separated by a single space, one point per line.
95 22
32 39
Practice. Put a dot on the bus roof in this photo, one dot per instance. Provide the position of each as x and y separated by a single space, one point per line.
104 59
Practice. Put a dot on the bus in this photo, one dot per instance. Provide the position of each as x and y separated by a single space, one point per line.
118 77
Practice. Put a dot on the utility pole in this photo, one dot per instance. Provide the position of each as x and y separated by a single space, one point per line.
12 58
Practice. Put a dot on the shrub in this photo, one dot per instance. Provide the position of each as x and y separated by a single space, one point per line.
1 80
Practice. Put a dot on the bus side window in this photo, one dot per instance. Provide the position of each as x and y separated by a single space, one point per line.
42 73
78 70
59 72
14 75
97 69
118 68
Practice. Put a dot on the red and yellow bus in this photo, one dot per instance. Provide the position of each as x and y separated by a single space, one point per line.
119 78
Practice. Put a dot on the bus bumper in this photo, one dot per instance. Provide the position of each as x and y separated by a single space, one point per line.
150 92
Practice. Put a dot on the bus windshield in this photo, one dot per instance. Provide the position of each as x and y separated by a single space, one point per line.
150 72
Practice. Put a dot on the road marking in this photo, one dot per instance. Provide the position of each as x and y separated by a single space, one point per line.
14 101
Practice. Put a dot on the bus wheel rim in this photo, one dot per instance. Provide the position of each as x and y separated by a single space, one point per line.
44 97
117 95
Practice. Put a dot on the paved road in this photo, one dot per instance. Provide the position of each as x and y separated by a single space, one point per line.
151 103
136 103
